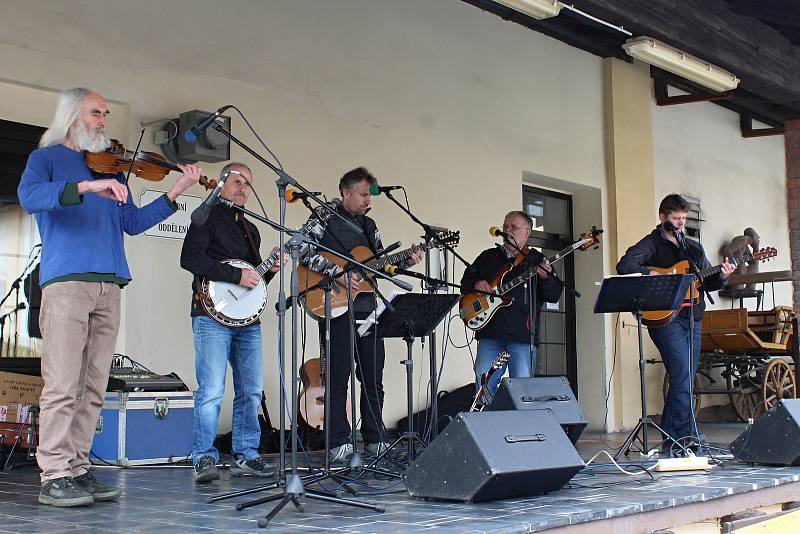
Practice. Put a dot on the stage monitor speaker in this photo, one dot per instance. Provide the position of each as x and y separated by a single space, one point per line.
483 456
539 393
773 439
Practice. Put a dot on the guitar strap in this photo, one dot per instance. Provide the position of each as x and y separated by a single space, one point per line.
243 222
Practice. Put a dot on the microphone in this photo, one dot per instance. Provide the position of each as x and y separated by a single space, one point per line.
669 227
191 134
293 195
376 189
390 248
497 232
394 270
200 214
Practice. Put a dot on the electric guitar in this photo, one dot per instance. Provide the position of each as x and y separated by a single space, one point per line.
314 300
235 305
659 318
477 309
483 398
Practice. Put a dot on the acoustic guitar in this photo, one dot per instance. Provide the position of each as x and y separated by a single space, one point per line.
659 318
477 309
314 300
312 395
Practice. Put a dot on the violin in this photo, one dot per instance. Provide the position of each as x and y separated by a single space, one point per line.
150 166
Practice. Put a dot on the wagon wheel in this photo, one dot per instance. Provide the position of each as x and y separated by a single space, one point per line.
695 387
779 383
742 381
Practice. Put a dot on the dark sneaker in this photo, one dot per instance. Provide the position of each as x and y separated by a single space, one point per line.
100 492
64 492
256 467
205 470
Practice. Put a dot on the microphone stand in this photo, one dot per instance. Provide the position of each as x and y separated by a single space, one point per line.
431 234
293 487
17 307
284 179
532 299
696 278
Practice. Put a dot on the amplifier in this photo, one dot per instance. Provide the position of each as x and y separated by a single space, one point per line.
130 379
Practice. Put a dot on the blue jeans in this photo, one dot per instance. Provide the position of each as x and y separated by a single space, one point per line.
672 342
215 346
519 363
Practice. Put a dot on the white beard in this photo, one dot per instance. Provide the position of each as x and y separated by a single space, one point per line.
96 141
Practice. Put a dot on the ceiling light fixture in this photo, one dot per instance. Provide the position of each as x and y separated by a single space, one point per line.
673 60
538 9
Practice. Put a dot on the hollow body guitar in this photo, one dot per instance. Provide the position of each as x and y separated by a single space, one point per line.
312 395
659 318
314 300
477 309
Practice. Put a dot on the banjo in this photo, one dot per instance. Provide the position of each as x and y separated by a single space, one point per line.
235 305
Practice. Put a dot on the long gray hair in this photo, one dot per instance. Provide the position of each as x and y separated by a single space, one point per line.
67 112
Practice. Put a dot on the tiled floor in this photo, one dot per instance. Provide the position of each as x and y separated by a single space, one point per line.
166 500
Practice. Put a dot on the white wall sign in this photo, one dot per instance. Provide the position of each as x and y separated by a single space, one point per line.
176 225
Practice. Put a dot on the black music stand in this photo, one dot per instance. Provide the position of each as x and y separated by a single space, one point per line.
414 315
637 294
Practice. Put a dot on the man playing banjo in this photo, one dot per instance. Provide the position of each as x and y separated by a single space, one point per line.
226 235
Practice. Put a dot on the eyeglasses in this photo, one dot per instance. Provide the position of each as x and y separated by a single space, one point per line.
238 181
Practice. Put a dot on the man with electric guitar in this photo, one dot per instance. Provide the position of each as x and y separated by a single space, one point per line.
666 251
221 254
354 188
508 328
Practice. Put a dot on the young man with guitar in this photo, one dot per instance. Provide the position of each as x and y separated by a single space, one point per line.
226 235
354 187
509 328
656 254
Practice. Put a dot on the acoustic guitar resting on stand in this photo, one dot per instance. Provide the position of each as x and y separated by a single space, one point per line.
312 396
657 319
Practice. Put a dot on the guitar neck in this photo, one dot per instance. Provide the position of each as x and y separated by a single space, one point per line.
321 217
717 268
517 280
379 263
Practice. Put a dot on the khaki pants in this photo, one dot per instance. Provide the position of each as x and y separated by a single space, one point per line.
79 322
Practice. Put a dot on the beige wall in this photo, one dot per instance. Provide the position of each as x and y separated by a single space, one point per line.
452 102
458 105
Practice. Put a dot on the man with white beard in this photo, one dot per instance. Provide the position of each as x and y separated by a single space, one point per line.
81 218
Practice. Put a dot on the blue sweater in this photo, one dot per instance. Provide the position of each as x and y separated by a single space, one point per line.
85 237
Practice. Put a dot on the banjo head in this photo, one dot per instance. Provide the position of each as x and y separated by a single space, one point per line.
234 305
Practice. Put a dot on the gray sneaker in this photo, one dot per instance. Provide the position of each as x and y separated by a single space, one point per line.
376 448
205 470
64 492
100 492
256 467
342 452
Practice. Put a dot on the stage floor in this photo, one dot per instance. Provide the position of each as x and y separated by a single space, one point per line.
597 499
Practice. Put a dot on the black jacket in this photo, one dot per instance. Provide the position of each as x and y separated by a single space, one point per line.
221 237
655 250
512 322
